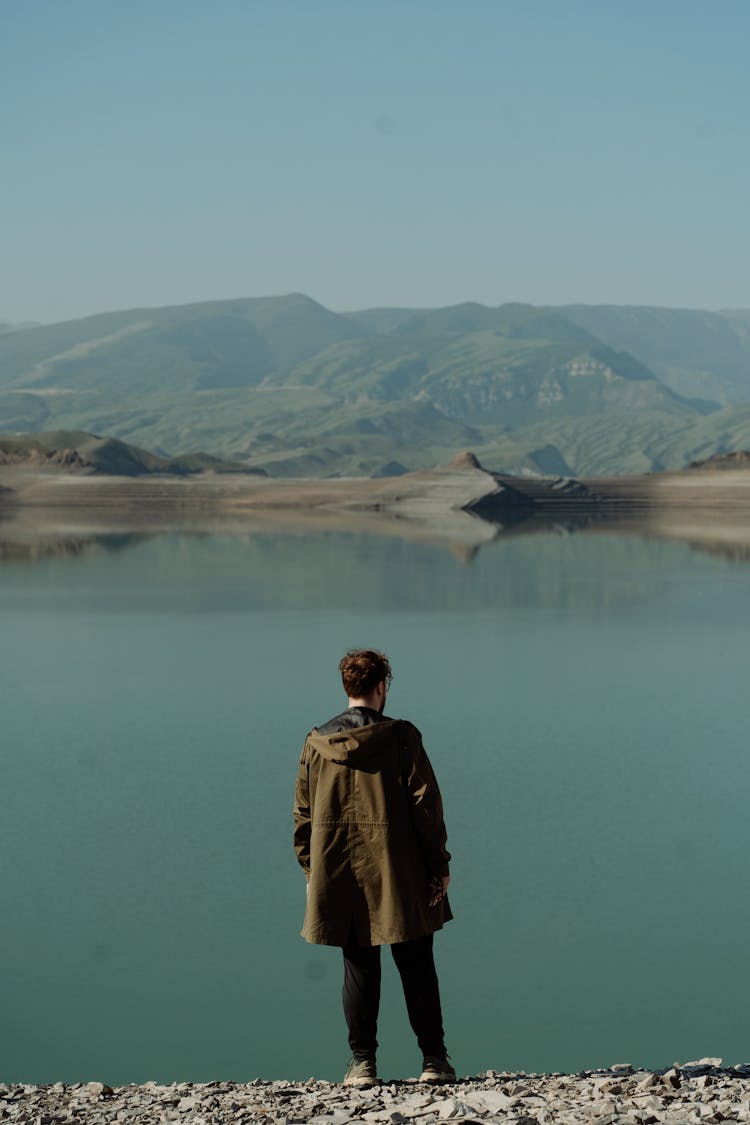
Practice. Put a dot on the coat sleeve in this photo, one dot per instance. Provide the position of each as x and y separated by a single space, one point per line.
302 819
426 806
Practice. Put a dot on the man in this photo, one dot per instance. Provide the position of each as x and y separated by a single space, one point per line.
370 838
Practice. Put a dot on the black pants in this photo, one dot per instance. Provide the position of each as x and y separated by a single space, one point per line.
361 995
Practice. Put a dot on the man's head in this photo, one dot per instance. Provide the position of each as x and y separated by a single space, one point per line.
366 676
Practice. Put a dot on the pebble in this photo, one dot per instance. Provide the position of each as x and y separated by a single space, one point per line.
620 1095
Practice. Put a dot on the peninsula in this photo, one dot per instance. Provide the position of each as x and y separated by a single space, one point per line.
99 485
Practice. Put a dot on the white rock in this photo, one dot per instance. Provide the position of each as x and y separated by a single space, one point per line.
96 1089
495 1101
450 1107
601 1108
608 1085
415 1106
650 1102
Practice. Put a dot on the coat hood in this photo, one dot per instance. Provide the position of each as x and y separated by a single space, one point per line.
355 745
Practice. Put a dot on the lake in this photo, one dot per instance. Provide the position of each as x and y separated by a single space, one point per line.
582 698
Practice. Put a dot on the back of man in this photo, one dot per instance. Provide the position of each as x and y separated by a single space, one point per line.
370 837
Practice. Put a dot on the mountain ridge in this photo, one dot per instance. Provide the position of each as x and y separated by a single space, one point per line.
285 384
77 450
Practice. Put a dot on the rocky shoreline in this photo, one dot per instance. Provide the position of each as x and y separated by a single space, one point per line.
461 507
701 1091
463 487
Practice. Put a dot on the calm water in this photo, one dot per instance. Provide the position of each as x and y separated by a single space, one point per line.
583 699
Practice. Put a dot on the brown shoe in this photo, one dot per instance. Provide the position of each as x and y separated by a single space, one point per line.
362 1072
437 1070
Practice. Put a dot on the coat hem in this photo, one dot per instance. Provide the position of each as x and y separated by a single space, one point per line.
391 939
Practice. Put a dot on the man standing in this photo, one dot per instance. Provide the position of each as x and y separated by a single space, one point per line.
370 838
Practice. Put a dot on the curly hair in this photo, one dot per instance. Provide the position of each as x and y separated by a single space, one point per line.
362 669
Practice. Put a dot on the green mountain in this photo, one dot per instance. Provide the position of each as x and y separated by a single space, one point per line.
704 355
7 326
79 450
612 444
216 344
286 385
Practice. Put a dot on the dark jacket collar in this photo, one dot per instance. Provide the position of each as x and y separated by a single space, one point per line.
351 718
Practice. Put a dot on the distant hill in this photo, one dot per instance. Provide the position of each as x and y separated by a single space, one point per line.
740 459
288 386
7 326
77 450
703 355
217 344
612 444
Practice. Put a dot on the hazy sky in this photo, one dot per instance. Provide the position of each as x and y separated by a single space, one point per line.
369 152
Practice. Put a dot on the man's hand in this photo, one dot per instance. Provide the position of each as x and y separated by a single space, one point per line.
438 887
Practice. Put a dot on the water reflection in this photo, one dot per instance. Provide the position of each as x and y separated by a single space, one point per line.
29 536
35 549
589 559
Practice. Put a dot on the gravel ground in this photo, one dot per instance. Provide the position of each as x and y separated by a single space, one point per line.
702 1091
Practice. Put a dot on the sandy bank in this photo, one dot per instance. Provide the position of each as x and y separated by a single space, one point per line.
692 487
462 507
414 494
693 1093
422 496
429 506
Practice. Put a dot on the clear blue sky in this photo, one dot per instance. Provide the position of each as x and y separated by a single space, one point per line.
369 152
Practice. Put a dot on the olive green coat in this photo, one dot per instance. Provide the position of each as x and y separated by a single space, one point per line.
369 834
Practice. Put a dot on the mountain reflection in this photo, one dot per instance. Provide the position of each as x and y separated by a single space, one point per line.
32 550
586 559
